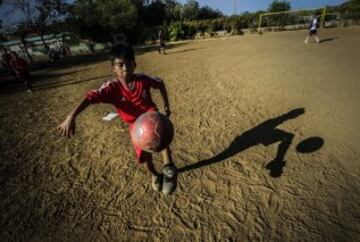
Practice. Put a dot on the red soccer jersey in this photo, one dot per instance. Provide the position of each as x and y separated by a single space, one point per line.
130 104
19 65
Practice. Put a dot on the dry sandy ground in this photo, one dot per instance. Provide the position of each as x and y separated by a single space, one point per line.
241 107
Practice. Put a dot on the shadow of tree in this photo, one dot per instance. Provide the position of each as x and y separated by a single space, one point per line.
66 83
18 87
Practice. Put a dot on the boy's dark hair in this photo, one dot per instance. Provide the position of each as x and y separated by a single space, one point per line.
122 51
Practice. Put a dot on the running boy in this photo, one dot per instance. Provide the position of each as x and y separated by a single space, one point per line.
6 59
130 95
313 29
19 66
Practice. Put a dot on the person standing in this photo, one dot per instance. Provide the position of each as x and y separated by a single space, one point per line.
161 42
313 29
20 67
6 59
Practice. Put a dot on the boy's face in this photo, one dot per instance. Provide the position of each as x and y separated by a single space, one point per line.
123 69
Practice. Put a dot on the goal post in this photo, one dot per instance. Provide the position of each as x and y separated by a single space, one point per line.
295 13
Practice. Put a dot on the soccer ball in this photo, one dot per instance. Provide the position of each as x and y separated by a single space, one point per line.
152 132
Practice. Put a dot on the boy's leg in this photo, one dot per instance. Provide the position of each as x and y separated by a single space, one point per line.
13 73
166 156
169 171
307 39
317 38
150 166
156 178
28 85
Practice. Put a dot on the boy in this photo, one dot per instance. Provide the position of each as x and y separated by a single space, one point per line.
130 94
6 59
161 42
19 66
313 30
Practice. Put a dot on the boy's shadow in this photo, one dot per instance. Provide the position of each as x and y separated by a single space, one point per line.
265 133
328 39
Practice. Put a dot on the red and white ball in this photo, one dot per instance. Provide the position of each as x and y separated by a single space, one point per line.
152 132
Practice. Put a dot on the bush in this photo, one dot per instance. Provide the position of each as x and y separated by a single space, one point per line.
234 24
176 31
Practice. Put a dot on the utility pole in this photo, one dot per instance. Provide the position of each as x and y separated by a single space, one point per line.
235 7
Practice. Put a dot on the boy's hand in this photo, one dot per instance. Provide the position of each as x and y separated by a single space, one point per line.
67 127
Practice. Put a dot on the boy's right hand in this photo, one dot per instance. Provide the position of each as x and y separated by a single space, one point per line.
67 127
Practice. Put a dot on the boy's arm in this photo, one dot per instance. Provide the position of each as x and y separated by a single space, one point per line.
165 98
67 127
104 94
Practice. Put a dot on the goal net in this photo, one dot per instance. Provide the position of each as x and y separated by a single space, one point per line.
289 20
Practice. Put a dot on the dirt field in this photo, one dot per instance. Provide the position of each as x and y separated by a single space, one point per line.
267 141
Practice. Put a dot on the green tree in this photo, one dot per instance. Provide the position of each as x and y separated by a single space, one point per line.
178 12
350 9
22 32
38 15
99 20
191 10
208 13
173 10
277 6
154 13
49 12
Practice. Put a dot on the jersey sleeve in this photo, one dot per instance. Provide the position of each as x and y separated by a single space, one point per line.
154 82
105 94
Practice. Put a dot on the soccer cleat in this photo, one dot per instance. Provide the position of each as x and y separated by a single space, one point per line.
170 179
156 182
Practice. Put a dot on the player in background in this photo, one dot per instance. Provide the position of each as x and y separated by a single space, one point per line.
20 67
313 29
161 42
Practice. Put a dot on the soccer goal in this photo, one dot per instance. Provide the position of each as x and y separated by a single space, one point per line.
289 20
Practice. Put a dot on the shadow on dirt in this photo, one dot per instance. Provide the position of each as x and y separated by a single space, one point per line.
155 47
43 75
328 39
265 133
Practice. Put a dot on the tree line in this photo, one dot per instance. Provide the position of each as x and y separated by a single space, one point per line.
135 21
99 20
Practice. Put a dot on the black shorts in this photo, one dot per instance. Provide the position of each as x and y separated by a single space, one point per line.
162 44
313 32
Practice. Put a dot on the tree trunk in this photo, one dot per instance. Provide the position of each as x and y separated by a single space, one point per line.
43 40
23 41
